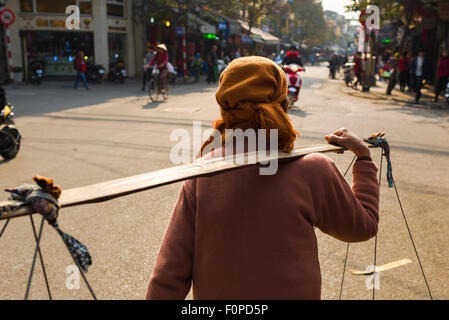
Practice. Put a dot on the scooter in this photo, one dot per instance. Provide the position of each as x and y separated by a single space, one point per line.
9 135
95 72
446 94
348 73
221 65
294 82
117 71
36 71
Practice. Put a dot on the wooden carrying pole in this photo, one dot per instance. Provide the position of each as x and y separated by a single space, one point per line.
121 187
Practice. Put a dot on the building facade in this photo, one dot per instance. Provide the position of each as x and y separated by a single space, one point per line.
40 33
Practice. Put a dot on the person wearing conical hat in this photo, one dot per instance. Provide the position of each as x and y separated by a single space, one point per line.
241 235
161 61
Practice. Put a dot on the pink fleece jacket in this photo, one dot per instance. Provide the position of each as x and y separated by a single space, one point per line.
241 235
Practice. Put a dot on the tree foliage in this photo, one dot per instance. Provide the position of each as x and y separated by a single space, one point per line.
310 20
390 10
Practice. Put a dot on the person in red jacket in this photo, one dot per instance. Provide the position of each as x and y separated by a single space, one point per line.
161 61
443 74
80 66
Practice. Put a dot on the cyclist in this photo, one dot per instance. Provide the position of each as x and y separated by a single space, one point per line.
161 60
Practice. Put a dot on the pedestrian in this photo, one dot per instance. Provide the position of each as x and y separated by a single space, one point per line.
241 235
212 65
420 69
404 71
410 84
196 66
161 61
333 64
358 69
443 74
80 66
237 53
393 65
147 70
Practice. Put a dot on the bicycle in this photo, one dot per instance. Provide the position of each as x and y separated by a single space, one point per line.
153 87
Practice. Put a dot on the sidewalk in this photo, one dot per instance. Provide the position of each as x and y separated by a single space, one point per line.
402 98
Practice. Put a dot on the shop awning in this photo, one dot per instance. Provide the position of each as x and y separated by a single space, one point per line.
234 26
259 35
199 24
294 43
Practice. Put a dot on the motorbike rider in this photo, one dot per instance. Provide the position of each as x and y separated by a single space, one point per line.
333 65
292 56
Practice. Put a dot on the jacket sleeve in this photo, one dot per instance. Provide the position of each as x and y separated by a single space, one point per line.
153 60
350 214
172 274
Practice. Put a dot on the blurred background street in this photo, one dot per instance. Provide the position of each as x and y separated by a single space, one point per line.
104 134
361 70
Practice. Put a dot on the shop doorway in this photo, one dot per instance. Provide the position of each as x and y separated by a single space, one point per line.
117 47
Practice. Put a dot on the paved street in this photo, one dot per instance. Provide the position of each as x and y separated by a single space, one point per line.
112 131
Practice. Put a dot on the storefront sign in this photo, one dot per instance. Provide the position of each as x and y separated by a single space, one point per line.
121 29
180 31
222 26
207 29
428 22
443 10
234 28
246 39
57 24
7 17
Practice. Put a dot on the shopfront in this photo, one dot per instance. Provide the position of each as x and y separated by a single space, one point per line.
40 33
57 49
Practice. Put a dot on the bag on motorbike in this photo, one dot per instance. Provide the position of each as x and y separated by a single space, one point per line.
170 68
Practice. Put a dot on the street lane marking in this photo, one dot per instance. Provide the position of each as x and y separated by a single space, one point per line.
383 267
181 110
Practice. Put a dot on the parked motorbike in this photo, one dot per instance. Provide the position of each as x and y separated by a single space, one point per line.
446 94
95 73
348 73
9 135
117 71
221 65
36 71
172 76
294 82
